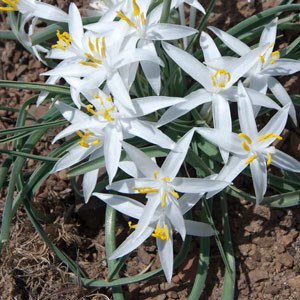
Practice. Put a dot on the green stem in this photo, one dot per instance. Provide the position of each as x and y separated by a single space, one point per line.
165 11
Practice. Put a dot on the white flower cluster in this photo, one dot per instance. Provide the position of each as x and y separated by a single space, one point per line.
100 63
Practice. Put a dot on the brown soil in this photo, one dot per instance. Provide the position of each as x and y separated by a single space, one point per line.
266 240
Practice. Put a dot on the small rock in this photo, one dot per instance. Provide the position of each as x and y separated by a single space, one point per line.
295 283
172 294
257 275
288 239
273 290
279 248
144 256
256 255
161 297
265 242
287 260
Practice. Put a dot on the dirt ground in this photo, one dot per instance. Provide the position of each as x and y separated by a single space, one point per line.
266 240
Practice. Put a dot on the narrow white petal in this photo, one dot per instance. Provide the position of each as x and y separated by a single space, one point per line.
196 4
259 99
258 83
70 113
112 150
175 158
282 67
198 228
259 177
187 201
283 97
75 25
269 33
165 251
209 47
130 168
150 133
49 12
245 111
230 41
143 162
285 161
164 32
125 205
189 64
126 186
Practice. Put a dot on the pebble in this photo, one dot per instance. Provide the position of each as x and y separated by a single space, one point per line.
287 260
257 275
295 283
265 242
273 290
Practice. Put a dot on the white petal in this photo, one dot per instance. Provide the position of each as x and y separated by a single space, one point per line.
164 32
150 133
285 161
259 177
126 186
75 25
258 83
112 150
198 228
191 101
245 111
70 113
196 4
209 47
197 185
187 201
281 67
125 205
130 168
259 99
230 41
49 12
283 97
175 158
269 33
189 64
143 162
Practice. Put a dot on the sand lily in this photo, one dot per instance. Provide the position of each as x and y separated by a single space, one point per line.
218 87
161 185
160 226
106 125
141 31
35 9
261 76
251 147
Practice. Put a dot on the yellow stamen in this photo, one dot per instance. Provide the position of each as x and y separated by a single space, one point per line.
107 115
268 136
64 40
131 226
90 109
109 98
127 20
88 63
145 190
269 159
275 55
175 194
12 5
220 78
92 58
245 146
83 142
251 159
162 233
246 137
91 45
155 173
97 44
103 48
97 141
166 178
163 199
143 19
261 57
136 9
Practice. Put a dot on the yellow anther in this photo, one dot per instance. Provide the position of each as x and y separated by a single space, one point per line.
103 48
261 57
79 133
145 190
166 178
127 20
220 78
91 45
136 9
269 159
131 226
83 137
161 233
143 19
268 136
246 137
97 44
109 98
90 109
245 146
92 58
97 141
88 63
155 173
106 115
12 5
64 40
275 55
163 199
251 159
96 96
175 194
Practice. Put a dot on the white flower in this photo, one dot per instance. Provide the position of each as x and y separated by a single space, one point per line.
107 126
251 147
36 9
194 3
260 77
160 226
141 31
218 85
103 6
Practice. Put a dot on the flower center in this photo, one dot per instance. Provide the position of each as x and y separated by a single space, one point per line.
220 78
12 5
64 40
139 17
246 145
105 111
84 137
98 53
